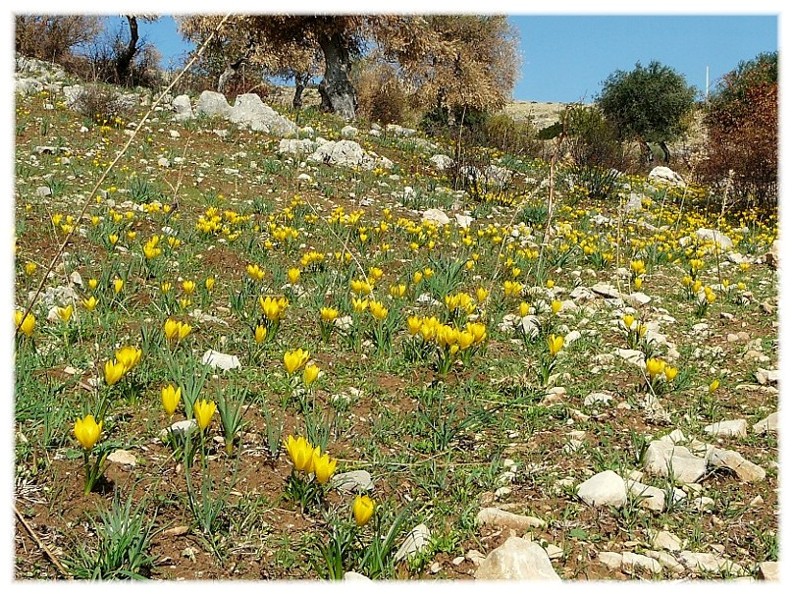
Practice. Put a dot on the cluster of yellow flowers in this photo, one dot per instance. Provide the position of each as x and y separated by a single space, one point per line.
446 336
126 358
309 459
273 308
176 331
657 368
151 248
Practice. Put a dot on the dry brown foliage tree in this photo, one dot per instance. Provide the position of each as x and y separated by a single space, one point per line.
425 52
54 37
742 127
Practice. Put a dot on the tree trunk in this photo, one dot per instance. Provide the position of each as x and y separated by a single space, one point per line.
648 151
338 95
230 70
124 59
666 152
301 80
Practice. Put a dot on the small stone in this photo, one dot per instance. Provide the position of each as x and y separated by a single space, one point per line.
435 215
606 290
747 471
457 561
176 531
498 517
163 162
189 553
770 423
631 356
735 428
666 560
179 427
764 376
220 360
435 568
594 397
415 542
604 488
554 552
352 482
703 504
649 497
768 570
631 561
708 562
664 456
475 557
610 559
666 540
517 559
122 457
637 299
351 576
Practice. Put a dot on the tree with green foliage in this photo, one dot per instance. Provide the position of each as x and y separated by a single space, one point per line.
648 104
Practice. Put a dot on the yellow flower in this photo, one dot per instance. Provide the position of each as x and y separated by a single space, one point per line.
478 330
209 283
359 305
113 371
118 284
398 290
184 330
301 453
171 329
261 334
377 310
555 306
128 356
670 373
90 303
170 398
310 373
203 410
714 386
30 268
273 307
328 314
188 287
628 320
363 509
524 309
25 326
481 294
414 325
417 277
550 283
323 466
255 272
87 431
294 360
638 282
294 275
555 344
93 283
654 367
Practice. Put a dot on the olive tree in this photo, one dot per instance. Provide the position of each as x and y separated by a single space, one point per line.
648 104
436 52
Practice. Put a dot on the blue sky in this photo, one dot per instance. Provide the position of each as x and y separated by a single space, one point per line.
566 57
